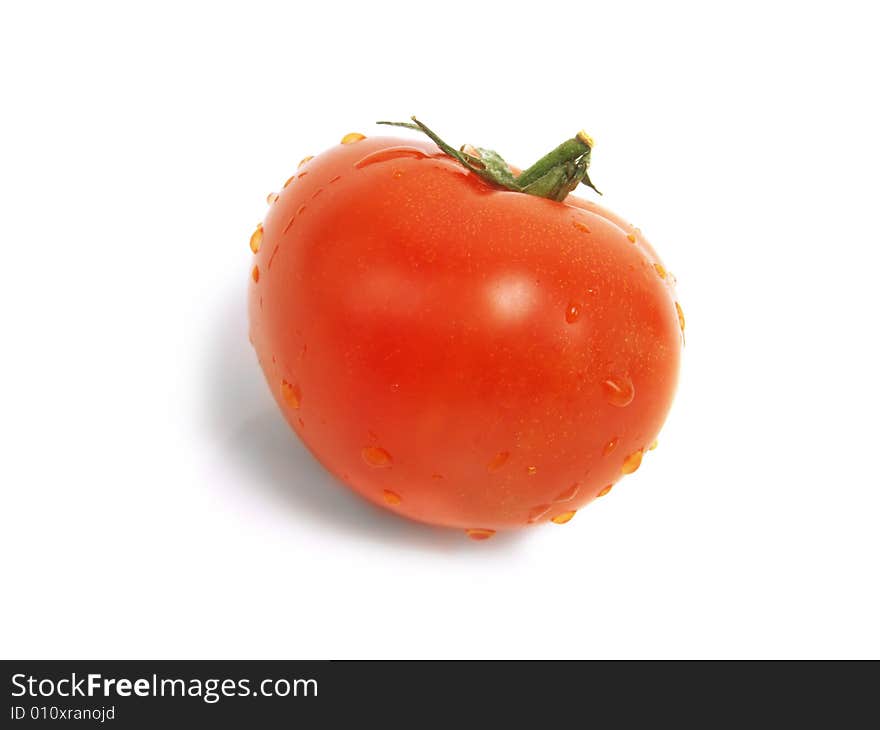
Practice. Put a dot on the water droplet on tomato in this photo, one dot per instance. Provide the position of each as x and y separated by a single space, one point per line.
272 198
632 462
631 237
290 393
610 446
290 222
397 174
572 312
561 519
390 153
289 180
317 193
257 238
335 179
499 460
532 470
351 138
568 494
272 257
391 497
653 445
538 512
304 160
680 313
604 490
376 457
479 533
661 270
255 274
582 227
619 391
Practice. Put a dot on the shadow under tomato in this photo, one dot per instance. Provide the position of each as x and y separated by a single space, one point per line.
259 447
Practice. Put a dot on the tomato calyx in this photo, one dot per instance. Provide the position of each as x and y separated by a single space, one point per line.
554 176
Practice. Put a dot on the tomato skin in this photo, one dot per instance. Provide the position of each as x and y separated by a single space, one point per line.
456 353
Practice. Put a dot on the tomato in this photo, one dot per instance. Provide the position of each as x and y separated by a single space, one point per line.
461 354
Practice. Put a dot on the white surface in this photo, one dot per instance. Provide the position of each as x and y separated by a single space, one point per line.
154 504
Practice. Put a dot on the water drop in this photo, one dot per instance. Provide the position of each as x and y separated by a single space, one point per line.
479 533
255 274
619 391
568 494
632 462
376 457
272 198
564 517
351 138
257 238
532 470
680 313
582 227
631 237
304 160
299 212
289 180
572 312
391 497
272 257
653 445
390 153
335 179
661 271
291 394
317 193
499 460
471 151
604 490
397 174
610 446
538 512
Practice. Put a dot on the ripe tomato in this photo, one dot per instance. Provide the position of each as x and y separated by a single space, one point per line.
461 354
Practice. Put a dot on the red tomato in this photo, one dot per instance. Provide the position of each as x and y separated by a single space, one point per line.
460 354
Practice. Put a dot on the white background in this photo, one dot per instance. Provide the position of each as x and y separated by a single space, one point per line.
154 504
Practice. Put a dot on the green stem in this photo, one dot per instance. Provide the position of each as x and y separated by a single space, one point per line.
554 176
